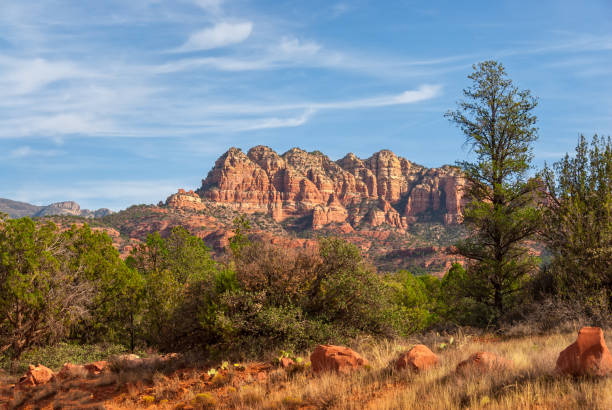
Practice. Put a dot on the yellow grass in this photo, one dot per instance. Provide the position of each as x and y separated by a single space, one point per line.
532 384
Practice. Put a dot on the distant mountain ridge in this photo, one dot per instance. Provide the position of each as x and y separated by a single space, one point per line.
17 209
399 213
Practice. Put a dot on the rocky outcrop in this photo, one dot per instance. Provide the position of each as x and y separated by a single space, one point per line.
335 358
417 359
588 355
61 208
332 212
383 189
185 200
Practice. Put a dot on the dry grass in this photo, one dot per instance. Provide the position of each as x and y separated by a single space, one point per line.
532 384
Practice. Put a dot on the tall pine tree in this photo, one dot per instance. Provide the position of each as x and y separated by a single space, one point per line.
499 126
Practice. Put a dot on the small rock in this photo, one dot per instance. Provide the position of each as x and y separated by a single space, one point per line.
335 358
417 359
286 362
484 362
588 355
36 375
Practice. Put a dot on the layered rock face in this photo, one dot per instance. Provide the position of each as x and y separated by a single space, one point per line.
383 189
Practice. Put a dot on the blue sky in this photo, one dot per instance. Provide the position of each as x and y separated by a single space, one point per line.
112 103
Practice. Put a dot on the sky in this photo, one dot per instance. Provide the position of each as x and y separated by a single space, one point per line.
112 103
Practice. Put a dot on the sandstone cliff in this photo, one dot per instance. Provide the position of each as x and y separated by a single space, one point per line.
382 189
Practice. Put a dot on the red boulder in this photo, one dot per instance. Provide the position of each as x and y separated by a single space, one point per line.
483 362
36 375
335 358
286 362
588 355
417 359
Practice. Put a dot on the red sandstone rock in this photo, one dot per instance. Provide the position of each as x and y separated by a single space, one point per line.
36 375
588 355
417 359
286 362
335 358
483 362
299 183
323 215
185 200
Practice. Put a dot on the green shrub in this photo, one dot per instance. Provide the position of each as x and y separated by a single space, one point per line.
416 301
55 356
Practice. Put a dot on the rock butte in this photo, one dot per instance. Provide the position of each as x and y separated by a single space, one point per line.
383 189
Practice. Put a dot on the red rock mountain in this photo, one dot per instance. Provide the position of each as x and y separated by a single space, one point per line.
350 192
400 214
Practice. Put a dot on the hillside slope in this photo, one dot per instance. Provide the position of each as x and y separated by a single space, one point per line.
16 209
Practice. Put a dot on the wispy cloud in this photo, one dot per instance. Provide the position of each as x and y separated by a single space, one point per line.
220 35
23 76
422 93
267 123
292 52
27 152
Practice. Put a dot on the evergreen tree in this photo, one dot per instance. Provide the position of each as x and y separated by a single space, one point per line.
578 228
499 125
41 293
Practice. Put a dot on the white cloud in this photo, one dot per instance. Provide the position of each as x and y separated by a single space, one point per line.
289 52
221 35
218 63
267 123
230 117
291 46
422 93
27 76
52 125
